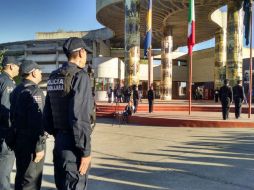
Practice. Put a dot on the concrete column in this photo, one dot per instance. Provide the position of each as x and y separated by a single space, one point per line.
234 41
220 58
132 42
57 58
25 54
94 49
166 64
150 68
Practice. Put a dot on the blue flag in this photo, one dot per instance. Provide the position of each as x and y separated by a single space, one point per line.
148 39
247 9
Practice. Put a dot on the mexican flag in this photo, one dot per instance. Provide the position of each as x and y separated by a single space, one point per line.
191 26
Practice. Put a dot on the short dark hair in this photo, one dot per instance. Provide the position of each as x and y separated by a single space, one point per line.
72 55
24 75
239 81
5 67
226 81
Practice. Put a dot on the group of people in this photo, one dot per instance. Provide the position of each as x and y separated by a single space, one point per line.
227 94
123 94
27 117
130 94
130 107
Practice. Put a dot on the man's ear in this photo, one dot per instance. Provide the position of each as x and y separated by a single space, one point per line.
34 74
80 53
11 67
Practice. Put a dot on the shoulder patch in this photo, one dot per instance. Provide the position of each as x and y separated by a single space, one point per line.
9 89
37 99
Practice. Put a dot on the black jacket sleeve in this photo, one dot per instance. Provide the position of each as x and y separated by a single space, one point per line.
48 123
5 90
35 105
80 109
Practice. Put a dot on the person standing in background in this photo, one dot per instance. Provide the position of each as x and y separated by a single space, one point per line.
135 98
226 97
150 96
238 95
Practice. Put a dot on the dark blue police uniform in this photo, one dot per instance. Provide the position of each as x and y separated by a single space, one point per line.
68 108
150 97
135 99
27 104
6 155
238 95
226 96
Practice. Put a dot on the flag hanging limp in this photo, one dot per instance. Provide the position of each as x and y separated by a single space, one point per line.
148 38
191 26
247 9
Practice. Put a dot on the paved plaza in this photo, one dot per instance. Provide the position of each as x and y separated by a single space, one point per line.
143 158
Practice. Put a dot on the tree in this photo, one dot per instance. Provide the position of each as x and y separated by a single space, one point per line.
2 54
1 57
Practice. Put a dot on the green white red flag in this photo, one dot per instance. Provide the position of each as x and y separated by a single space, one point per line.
191 26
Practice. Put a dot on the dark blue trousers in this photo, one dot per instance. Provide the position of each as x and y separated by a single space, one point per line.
66 164
238 107
29 173
6 164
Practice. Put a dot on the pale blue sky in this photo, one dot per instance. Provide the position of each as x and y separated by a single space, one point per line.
21 19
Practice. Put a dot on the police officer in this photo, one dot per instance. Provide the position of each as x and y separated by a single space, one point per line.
135 98
7 84
225 98
150 96
69 105
27 103
238 95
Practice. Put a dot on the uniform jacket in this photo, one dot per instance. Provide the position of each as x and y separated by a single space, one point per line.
238 92
226 94
7 85
27 103
150 95
80 108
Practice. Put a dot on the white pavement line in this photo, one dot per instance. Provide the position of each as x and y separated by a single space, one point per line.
125 182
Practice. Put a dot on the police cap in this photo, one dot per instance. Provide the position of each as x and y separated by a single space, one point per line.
73 44
7 60
28 66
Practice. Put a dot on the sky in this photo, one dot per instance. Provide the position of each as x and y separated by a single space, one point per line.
21 19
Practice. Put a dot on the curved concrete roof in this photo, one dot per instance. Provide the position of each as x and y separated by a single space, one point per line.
165 12
39 45
49 41
98 34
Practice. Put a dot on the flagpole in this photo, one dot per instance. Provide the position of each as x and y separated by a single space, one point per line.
191 42
190 81
150 67
250 82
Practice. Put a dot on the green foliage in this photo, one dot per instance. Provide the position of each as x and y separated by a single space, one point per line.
1 57
143 61
17 79
2 54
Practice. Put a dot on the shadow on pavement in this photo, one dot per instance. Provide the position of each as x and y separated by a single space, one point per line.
207 162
